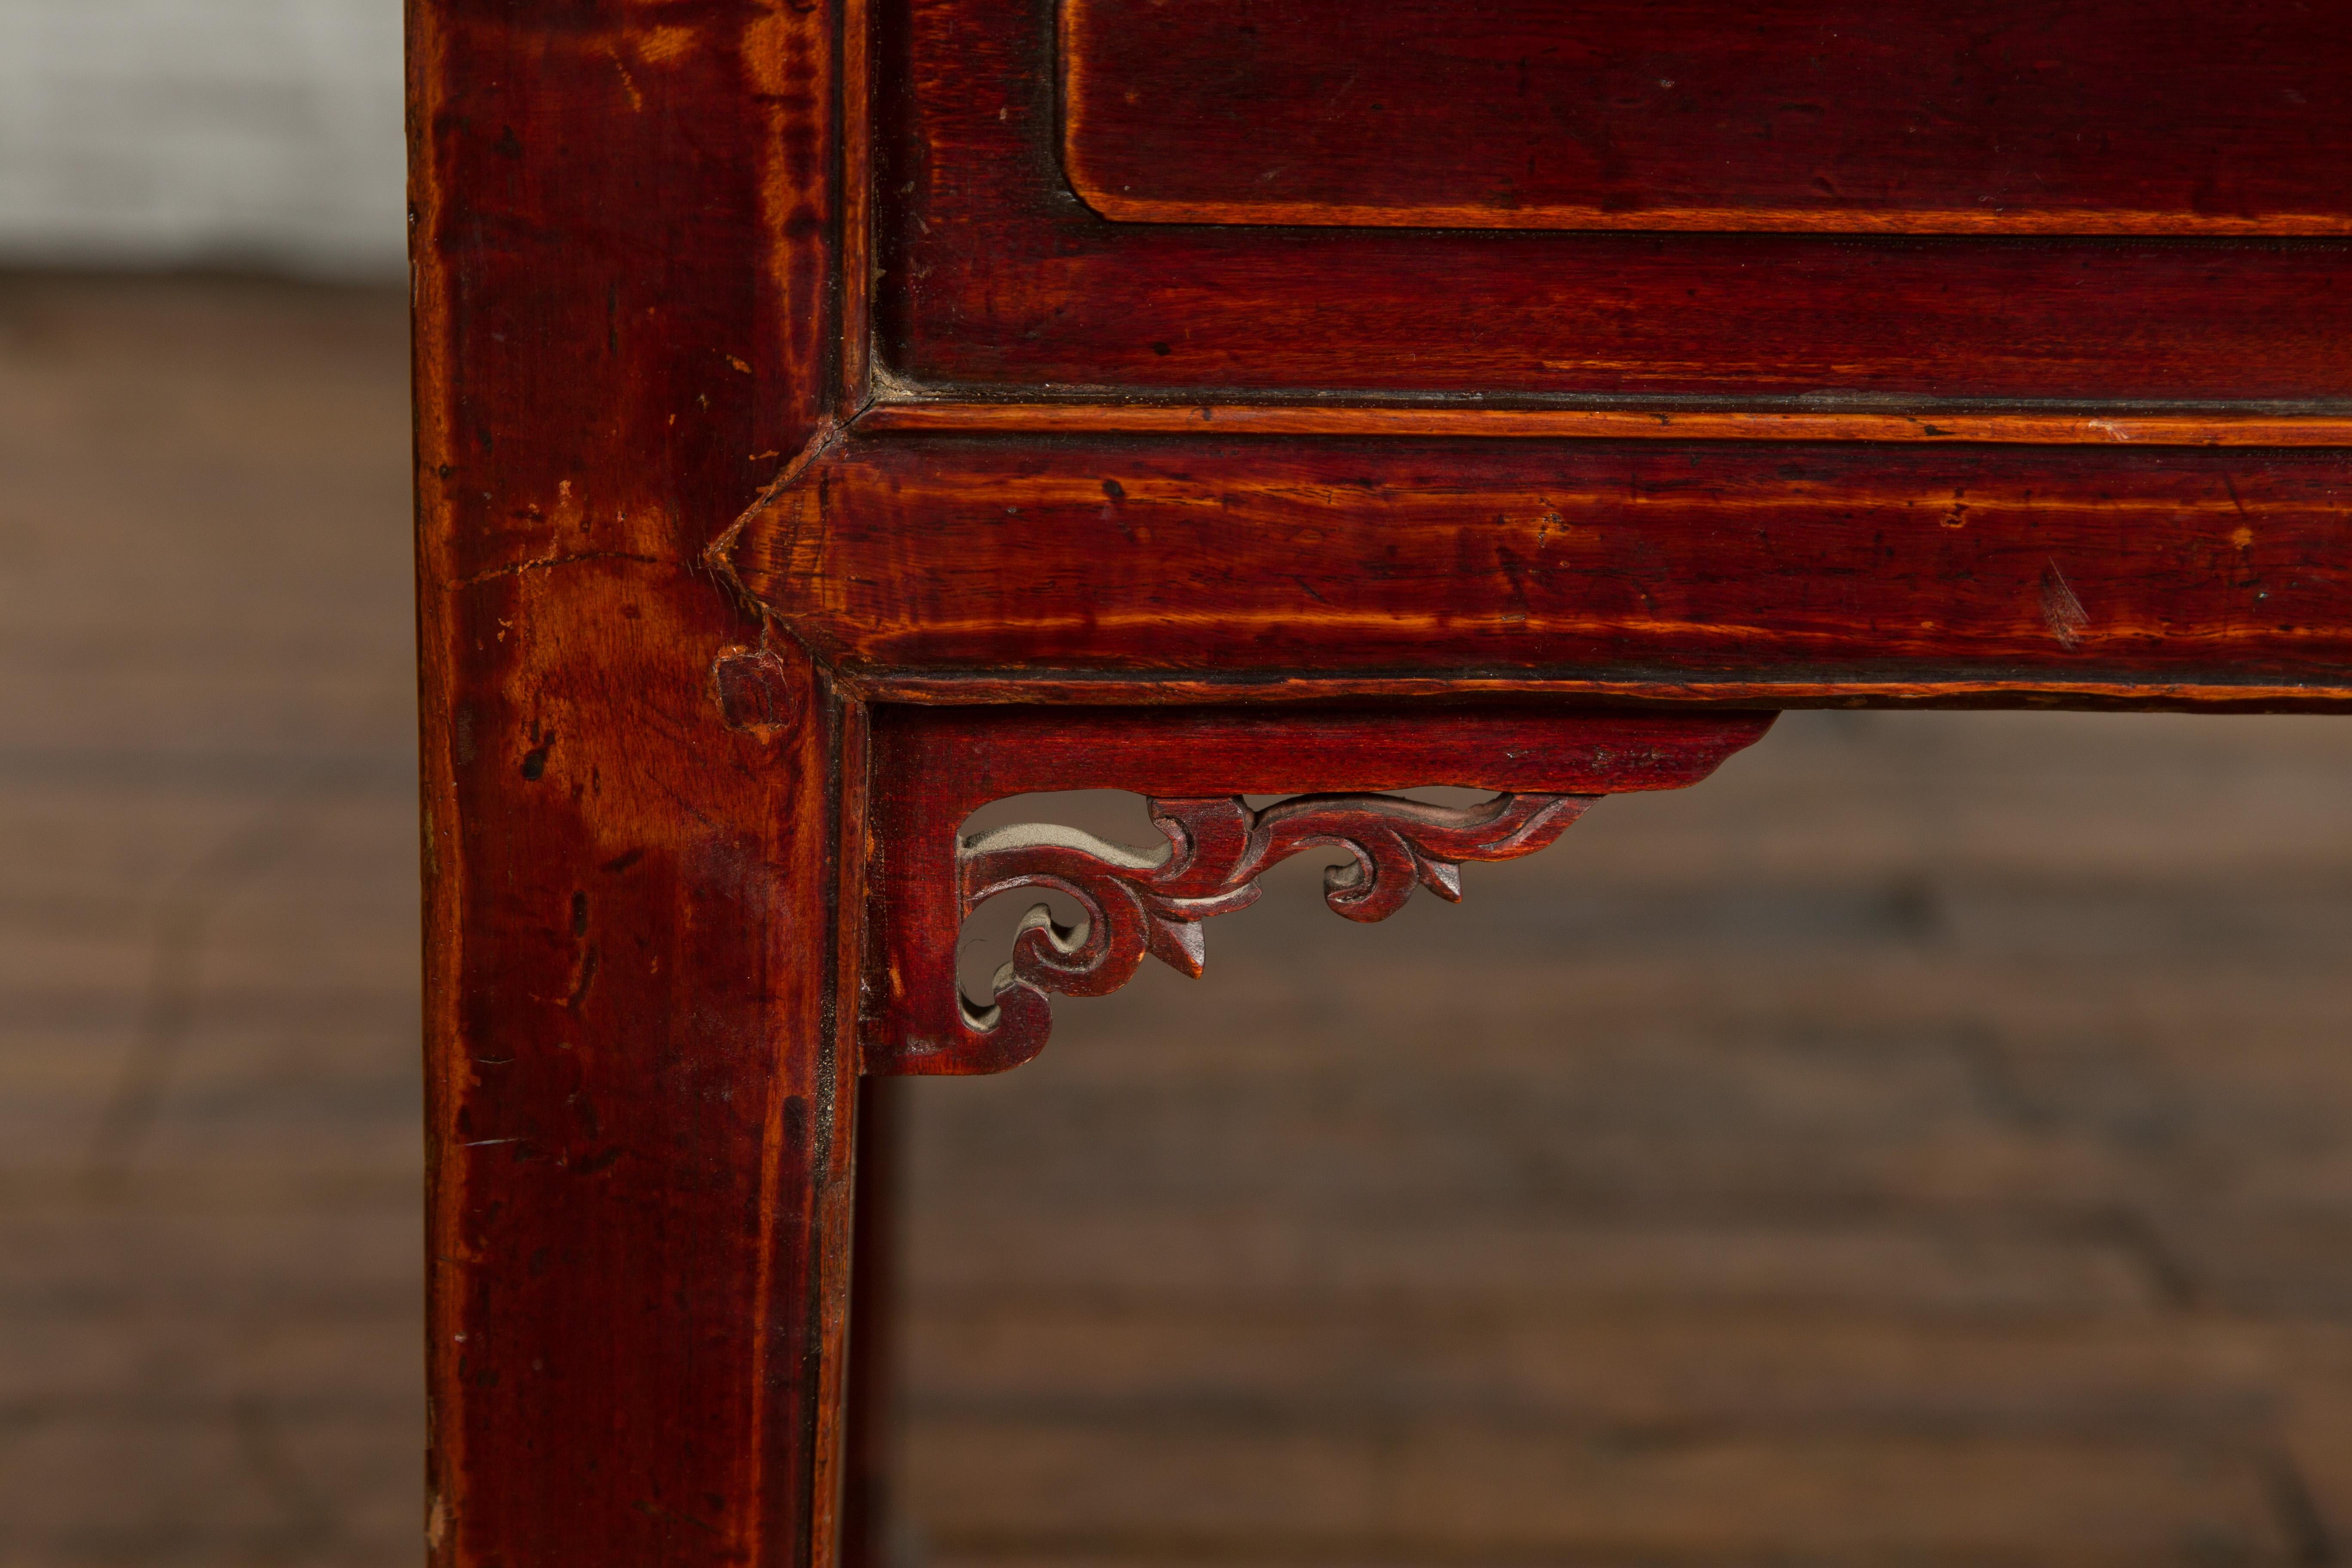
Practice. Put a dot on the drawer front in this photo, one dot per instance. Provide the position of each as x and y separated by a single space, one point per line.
2149 117
1987 202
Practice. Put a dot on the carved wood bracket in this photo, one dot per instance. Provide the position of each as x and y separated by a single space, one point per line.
1139 902
932 767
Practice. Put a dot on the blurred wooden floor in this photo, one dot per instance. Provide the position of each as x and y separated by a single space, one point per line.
210 1242
1928 1143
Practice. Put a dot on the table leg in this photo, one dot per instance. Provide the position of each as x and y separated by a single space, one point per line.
870 1526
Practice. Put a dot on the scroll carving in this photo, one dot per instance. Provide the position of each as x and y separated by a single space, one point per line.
1153 902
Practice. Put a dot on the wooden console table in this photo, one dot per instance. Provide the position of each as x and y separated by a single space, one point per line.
836 415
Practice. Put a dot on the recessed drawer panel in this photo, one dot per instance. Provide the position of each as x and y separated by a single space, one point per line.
2183 117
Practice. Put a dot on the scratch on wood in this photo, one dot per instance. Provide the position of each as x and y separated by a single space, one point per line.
546 563
2062 612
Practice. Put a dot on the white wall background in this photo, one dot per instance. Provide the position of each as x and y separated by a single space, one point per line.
232 133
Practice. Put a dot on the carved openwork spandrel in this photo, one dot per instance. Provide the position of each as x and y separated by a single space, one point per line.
1153 902
1536 768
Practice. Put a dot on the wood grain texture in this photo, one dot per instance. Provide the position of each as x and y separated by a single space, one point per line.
872 1513
996 277
638 1123
1823 573
933 768
2118 428
2179 117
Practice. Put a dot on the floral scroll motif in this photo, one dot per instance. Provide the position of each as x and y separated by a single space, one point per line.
1153 902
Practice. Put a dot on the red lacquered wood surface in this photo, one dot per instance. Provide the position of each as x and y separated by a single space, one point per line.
639 1133
997 276
872 1533
1791 573
688 528
934 767
2116 427
2177 117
